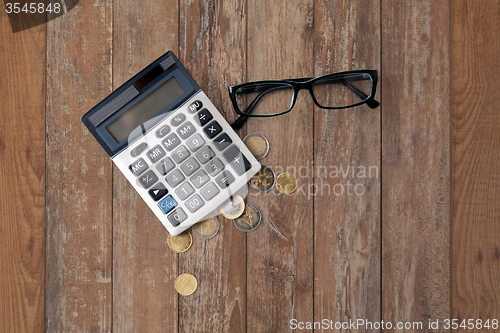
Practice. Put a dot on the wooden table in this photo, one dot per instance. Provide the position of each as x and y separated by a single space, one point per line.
418 241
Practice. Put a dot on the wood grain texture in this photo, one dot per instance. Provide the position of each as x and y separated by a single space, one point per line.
144 268
212 48
476 143
347 163
280 250
415 161
79 176
22 179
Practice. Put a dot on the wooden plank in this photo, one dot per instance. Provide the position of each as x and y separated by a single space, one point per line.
347 241
280 250
415 161
212 47
144 268
22 181
476 142
79 176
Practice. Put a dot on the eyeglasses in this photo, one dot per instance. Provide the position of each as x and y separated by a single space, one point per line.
273 98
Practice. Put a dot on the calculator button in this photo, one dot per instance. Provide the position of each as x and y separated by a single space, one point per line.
180 154
200 178
222 141
162 131
212 129
184 191
138 167
158 191
177 216
214 167
178 119
167 204
195 142
171 141
174 178
186 130
148 179
203 117
195 106
209 191
139 149
156 153
195 203
224 179
190 166
165 166
237 160
205 154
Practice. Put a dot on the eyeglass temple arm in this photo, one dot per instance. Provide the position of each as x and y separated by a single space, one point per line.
240 121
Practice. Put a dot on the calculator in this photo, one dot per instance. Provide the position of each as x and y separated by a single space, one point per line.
172 144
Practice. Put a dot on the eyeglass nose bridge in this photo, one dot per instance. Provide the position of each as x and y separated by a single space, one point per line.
304 84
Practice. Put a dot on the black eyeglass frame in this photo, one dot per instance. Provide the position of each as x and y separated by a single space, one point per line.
306 83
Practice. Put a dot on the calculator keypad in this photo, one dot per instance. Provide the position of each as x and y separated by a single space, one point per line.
187 172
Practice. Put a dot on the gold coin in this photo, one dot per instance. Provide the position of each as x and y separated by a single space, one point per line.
233 207
257 144
180 243
186 284
249 220
286 183
263 180
206 229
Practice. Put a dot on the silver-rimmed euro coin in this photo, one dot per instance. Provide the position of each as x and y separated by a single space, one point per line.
263 180
249 220
257 144
206 229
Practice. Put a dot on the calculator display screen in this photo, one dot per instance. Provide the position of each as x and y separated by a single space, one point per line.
146 109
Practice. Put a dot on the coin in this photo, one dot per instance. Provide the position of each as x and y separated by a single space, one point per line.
180 243
206 229
233 207
249 220
257 144
263 180
186 284
286 183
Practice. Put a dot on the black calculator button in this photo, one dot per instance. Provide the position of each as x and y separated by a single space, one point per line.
139 149
177 217
156 153
178 119
224 179
174 178
180 154
190 166
171 141
209 191
158 191
165 166
214 167
148 179
184 191
195 106
195 142
212 129
205 154
162 131
222 141
138 167
186 130
237 160
203 117
195 203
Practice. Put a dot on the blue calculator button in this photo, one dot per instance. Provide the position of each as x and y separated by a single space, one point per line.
167 204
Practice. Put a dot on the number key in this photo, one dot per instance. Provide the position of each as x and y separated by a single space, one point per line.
205 154
180 154
195 142
214 167
195 203
190 166
174 178
184 191
200 178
